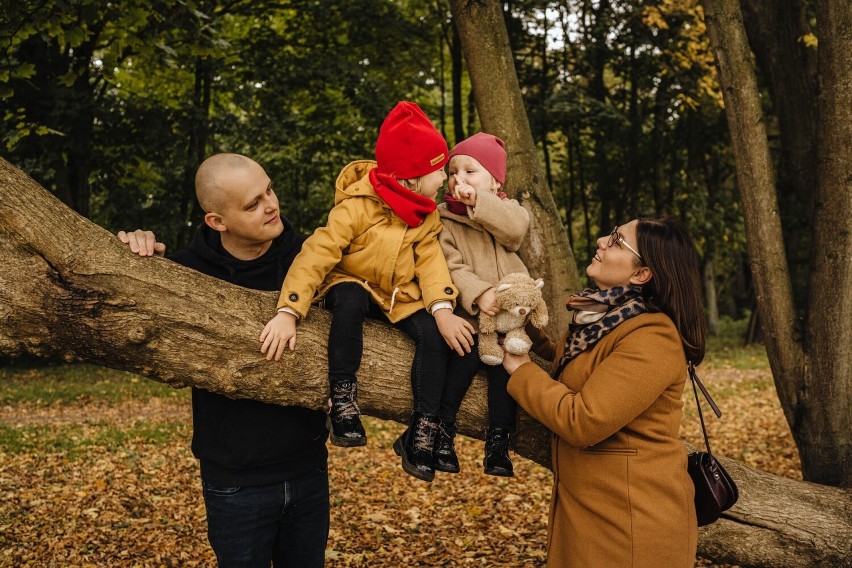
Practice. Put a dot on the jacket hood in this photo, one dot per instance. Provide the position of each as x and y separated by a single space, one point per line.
354 181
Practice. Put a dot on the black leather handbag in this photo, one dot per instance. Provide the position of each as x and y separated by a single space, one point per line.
715 490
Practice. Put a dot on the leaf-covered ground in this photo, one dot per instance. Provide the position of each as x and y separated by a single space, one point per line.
92 478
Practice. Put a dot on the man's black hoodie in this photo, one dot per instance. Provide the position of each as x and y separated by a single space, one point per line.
243 442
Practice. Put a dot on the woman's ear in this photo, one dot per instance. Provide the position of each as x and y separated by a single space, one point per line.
641 276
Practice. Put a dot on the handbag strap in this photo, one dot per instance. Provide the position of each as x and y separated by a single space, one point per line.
695 380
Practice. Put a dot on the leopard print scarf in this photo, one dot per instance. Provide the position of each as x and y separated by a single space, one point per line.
596 313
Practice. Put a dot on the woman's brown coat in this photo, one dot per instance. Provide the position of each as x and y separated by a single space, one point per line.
621 492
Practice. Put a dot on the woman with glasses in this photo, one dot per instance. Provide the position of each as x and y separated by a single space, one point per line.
622 495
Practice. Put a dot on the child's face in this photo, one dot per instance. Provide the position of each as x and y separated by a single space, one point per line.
431 183
467 170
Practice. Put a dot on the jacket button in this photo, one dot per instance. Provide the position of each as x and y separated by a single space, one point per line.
294 297
448 290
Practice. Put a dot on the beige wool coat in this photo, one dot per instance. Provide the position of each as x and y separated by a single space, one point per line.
621 493
481 246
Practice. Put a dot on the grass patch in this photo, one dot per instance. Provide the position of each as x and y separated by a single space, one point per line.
74 440
727 349
74 384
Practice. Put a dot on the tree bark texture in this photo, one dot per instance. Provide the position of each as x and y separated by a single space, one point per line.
775 30
756 182
70 289
826 425
546 251
811 362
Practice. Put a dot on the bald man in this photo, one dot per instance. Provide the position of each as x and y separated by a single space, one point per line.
264 468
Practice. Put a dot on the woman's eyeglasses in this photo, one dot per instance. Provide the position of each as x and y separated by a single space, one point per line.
616 239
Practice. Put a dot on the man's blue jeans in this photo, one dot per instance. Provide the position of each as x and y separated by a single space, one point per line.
284 523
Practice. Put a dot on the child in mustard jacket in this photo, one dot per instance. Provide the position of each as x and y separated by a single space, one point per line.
379 255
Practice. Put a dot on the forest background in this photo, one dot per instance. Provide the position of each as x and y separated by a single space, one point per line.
112 106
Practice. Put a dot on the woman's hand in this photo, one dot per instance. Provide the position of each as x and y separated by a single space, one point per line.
511 361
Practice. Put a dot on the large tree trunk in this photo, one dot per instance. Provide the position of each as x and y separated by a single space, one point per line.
69 289
813 376
490 64
826 425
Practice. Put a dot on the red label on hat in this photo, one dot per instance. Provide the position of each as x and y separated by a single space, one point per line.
436 160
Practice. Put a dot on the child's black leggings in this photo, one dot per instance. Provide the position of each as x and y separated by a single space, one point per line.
350 304
501 406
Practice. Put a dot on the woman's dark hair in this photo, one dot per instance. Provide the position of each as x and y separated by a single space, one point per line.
675 288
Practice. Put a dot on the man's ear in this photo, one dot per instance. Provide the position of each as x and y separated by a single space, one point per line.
215 222
641 276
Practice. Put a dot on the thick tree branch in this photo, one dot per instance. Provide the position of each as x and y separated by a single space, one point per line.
70 289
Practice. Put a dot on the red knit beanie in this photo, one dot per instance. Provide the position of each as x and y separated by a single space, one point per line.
409 145
486 149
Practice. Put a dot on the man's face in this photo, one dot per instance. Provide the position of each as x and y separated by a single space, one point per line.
249 206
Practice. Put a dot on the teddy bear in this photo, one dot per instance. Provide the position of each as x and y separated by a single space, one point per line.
520 301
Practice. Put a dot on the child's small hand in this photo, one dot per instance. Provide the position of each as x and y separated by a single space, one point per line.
465 193
487 302
456 331
278 334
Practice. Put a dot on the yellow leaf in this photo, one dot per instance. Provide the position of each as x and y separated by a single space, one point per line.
810 40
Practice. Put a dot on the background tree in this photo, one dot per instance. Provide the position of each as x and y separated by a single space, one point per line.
485 44
811 360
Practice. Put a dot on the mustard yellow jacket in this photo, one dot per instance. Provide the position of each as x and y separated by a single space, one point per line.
364 241
621 492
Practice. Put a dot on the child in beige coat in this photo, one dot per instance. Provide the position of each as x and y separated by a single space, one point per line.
483 230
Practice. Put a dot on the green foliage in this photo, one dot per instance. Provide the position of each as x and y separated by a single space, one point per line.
623 101
73 441
71 384
112 106
729 350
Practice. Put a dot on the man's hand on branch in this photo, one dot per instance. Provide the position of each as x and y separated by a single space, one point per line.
143 243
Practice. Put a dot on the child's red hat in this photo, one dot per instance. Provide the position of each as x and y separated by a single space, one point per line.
486 149
409 145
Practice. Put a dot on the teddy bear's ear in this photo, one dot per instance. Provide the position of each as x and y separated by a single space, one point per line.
539 283
502 287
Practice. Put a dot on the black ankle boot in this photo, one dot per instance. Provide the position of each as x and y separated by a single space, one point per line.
445 450
416 446
345 416
497 460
